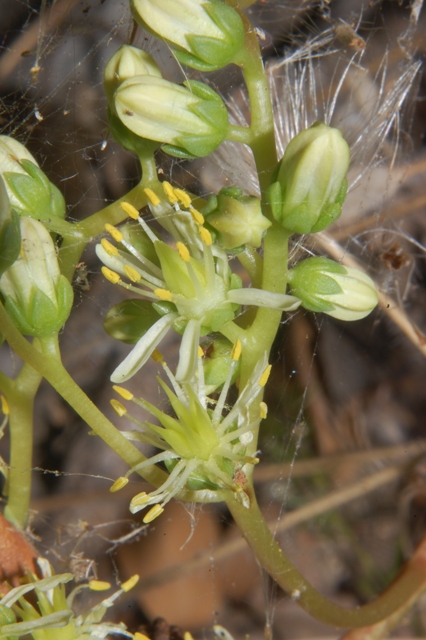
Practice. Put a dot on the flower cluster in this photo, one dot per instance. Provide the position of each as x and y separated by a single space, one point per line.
204 448
192 288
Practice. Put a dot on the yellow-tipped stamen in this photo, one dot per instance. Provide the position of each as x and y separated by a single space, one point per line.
118 407
152 197
110 275
153 513
196 216
200 352
163 294
188 636
99 585
169 191
157 356
139 499
263 410
131 273
205 236
109 248
124 393
131 211
265 375
119 484
4 405
183 251
130 583
114 232
236 350
184 198
140 636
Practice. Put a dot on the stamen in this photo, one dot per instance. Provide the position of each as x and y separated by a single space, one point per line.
118 407
236 350
147 230
4 405
196 215
265 375
130 583
140 499
200 352
132 274
99 585
183 197
114 232
140 636
163 294
131 211
157 356
153 513
183 251
263 410
109 248
205 236
124 393
119 484
152 197
169 191
110 275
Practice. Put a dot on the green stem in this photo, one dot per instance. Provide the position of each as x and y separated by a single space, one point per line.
20 397
50 367
270 556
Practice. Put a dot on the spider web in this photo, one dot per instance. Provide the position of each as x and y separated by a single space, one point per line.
357 69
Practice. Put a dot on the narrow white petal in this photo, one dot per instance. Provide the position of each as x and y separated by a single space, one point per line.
143 349
188 352
261 298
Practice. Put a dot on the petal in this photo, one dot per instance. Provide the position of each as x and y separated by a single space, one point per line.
261 298
188 352
143 349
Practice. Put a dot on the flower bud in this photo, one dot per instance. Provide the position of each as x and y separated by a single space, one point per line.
126 63
326 286
207 34
192 120
238 219
37 297
311 183
29 190
10 235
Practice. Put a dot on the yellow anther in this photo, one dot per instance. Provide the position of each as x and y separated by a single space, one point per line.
153 513
197 216
131 273
183 251
140 636
157 356
163 294
131 211
183 197
110 275
119 484
127 395
188 636
265 375
263 410
118 407
109 248
206 236
169 191
130 583
152 197
236 350
115 233
99 585
139 499
4 405
200 352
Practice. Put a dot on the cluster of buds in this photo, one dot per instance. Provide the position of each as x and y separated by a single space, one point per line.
202 448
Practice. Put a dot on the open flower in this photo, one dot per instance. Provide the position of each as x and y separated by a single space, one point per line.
194 289
203 448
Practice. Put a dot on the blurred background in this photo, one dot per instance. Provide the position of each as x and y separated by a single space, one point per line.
342 473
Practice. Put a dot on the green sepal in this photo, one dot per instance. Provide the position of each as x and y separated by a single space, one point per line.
274 198
163 308
330 213
191 61
10 241
178 152
39 198
129 320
